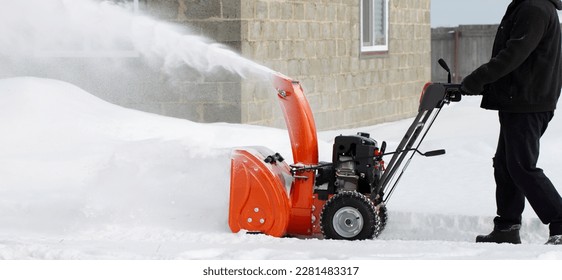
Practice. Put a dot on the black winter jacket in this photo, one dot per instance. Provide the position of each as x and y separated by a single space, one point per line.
524 74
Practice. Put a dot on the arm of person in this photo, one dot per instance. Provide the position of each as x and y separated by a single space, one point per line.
528 29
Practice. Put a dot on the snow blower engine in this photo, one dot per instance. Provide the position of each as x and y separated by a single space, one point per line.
344 199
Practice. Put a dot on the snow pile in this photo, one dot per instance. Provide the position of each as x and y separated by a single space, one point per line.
82 178
70 160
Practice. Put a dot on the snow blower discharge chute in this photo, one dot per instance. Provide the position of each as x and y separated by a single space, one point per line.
344 199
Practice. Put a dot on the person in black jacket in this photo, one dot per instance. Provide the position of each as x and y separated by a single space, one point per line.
522 81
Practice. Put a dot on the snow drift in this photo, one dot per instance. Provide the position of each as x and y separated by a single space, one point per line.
70 160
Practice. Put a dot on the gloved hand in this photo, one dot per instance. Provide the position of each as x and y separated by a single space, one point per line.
470 86
465 91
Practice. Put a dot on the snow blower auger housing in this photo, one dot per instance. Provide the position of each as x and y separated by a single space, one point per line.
344 199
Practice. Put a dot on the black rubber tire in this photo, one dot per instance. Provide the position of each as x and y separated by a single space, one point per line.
350 216
382 213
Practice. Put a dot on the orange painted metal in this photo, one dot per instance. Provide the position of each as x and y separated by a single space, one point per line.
316 211
258 193
299 120
304 144
266 197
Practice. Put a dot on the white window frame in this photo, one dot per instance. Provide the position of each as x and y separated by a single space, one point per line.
373 47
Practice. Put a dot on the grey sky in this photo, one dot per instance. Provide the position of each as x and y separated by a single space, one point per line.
457 12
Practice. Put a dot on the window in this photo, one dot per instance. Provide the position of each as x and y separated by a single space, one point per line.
374 25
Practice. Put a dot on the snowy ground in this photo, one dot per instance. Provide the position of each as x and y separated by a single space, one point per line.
85 179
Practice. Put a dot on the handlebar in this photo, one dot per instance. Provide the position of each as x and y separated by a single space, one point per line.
453 92
435 95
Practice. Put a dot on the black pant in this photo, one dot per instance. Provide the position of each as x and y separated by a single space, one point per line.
516 173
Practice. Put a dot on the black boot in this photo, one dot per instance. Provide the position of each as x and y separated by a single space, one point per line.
554 240
509 234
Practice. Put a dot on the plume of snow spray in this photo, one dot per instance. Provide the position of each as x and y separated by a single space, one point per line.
34 30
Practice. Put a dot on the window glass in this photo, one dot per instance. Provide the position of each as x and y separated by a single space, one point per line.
374 25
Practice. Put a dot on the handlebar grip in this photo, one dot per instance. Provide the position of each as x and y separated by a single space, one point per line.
434 153
453 92
452 86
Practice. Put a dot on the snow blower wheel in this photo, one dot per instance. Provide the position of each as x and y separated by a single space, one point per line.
349 215
383 217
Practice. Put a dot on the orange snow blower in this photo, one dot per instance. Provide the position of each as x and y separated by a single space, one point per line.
345 199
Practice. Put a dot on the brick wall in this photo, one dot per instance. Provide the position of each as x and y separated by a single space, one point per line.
317 42
201 97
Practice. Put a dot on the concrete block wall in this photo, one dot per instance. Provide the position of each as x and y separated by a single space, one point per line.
317 42
131 82
201 97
